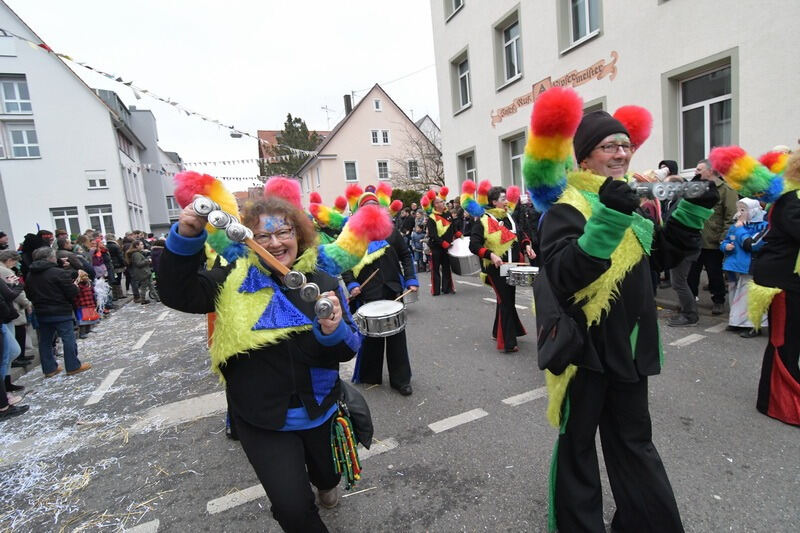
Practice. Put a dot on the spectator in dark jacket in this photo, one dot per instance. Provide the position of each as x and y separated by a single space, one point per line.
118 264
52 290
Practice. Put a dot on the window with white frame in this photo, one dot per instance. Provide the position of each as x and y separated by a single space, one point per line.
100 218
350 171
385 136
706 114
376 104
319 181
451 7
66 218
466 167
24 141
2 146
173 208
512 51
383 170
515 148
413 169
374 134
16 99
97 179
463 77
584 18
307 181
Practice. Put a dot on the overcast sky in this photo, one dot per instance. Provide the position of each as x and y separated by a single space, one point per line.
245 63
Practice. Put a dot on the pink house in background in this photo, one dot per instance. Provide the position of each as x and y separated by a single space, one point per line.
375 141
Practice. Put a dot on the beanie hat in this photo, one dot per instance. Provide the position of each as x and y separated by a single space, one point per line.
671 165
594 127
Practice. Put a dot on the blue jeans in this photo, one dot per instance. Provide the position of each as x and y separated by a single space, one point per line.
64 326
10 348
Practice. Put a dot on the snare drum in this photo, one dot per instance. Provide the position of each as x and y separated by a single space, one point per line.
381 318
522 276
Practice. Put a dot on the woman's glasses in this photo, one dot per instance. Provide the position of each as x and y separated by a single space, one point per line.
283 235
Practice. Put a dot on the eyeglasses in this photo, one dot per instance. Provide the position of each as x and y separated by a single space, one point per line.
283 235
613 148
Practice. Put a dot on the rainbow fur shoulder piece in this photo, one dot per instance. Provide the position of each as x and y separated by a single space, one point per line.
375 251
239 309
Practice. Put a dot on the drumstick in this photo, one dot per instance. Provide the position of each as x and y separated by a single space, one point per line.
266 256
366 281
402 295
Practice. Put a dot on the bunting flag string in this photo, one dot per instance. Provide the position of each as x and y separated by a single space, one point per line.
139 91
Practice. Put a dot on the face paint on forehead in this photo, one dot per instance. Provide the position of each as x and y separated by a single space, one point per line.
621 138
272 223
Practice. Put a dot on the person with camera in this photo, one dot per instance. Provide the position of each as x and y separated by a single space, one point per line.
596 259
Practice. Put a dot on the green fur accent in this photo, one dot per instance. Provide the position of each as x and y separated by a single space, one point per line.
586 181
603 231
634 339
759 298
238 312
691 215
369 258
218 240
541 172
556 392
643 229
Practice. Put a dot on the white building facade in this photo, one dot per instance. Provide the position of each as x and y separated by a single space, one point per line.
711 73
65 159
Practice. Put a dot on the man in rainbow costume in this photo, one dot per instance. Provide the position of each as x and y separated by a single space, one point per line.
596 257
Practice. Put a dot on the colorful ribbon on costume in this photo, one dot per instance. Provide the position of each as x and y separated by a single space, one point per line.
344 450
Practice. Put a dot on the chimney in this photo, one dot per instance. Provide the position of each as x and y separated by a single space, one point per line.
348 104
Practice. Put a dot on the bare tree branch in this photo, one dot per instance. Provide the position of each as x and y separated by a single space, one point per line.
430 170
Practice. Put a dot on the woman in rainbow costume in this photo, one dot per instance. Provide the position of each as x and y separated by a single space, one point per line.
278 361
498 239
776 271
441 232
596 255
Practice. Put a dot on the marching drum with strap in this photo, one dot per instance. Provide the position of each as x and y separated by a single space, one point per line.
522 276
381 318
462 261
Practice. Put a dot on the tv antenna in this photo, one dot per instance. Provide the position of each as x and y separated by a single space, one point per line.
328 112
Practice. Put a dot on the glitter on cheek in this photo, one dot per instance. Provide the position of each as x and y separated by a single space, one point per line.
272 223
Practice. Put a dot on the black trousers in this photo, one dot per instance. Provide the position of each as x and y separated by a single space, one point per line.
712 261
371 361
441 274
507 325
285 462
641 489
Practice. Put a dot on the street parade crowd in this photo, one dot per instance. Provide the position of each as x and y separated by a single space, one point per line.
291 293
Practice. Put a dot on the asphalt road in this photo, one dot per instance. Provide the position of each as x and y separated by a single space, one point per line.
138 442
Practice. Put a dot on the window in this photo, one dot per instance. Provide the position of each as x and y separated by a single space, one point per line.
514 149
376 105
2 147
173 209
24 141
350 171
8 45
383 170
705 114
66 218
374 137
15 96
307 182
124 144
511 51
463 84
385 136
97 179
451 7
413 169
584 18
100 218
466 167
319 182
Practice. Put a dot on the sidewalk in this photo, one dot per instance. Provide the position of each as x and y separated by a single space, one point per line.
17 372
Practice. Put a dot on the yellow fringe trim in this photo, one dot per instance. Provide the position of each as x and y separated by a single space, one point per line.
440 228
759 299
238 312
599 295
492 240
556 391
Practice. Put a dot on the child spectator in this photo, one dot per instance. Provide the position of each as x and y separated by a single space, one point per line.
743 240
85 305
416 247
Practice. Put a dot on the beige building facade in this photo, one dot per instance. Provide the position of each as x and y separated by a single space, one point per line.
374 142
711 73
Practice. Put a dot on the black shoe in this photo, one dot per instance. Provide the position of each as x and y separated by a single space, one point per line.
13 410
749 334
20 363
25 358
405 390
733 328
681 321
10 387
717 309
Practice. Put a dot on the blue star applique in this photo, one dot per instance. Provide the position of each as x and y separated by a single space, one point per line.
280 313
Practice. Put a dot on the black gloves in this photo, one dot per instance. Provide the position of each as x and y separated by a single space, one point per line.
619 196
708 199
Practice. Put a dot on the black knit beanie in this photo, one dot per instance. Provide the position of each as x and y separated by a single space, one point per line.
594 127
671 165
